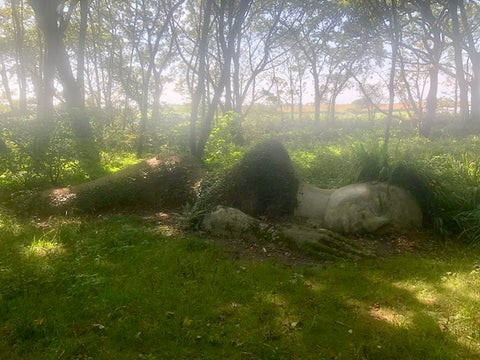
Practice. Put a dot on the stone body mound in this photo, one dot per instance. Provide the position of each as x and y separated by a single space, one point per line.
231 222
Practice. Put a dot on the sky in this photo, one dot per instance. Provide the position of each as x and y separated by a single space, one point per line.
171 96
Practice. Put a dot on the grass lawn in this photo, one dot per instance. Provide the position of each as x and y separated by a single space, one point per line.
133 287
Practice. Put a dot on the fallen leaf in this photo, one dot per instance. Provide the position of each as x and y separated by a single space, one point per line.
186 322
38 321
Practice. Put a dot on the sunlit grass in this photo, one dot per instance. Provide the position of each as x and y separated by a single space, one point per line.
43 247
120 287
116 161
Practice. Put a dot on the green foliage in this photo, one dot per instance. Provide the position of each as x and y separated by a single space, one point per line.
61 161
323 166
372 163
21 161
226 143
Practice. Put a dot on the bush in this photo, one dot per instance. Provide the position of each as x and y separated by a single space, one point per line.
23 163
225 145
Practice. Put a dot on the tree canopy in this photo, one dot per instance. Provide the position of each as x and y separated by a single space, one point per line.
87 57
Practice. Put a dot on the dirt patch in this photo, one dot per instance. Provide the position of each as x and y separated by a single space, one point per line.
399 243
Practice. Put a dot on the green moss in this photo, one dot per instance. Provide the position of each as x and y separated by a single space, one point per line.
158 183
168 185
262 183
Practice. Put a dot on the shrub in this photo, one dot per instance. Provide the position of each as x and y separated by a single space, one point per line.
225 145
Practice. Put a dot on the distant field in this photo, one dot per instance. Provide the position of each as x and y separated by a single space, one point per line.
343 108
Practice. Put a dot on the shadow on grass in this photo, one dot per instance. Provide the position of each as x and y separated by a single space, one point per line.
379 312
116 287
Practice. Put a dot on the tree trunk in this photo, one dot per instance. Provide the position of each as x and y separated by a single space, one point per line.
468 29
333 101
81 48
434 44
417 107
227 44
300 96
475 88
199 93
6 85
391 84
317 98
236 92
228 92
45 112
206 129
292 106
126 110
84 140
143 120
432 101
157 92
97 94
457 47
17 17
47 17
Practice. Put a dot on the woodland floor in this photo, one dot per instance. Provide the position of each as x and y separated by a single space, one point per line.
142 286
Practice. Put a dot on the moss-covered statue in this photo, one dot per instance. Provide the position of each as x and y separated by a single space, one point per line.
262 186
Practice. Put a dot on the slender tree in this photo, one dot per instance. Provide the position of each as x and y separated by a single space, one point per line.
469 22
18 9
457 43
393 33
428 18
311 26
152 44
53 22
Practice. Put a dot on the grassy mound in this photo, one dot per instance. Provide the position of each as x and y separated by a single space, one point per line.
160 182
262 183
